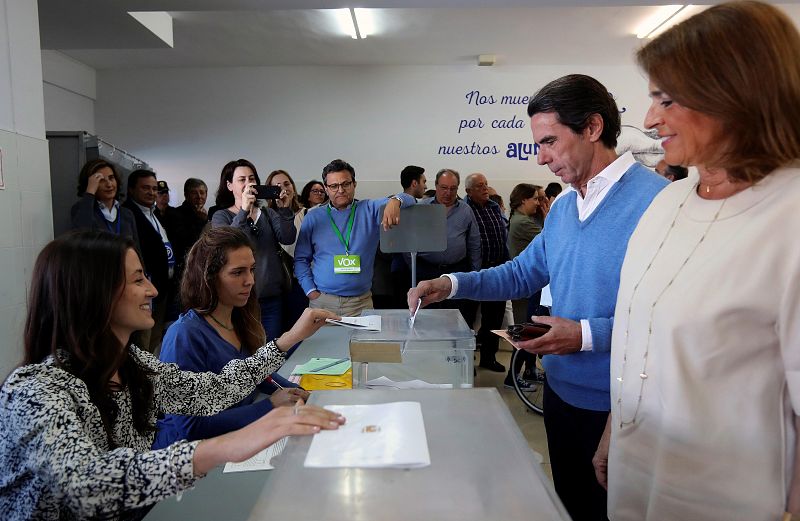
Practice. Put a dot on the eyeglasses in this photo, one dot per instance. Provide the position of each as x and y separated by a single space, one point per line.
318 191
447 188
344 185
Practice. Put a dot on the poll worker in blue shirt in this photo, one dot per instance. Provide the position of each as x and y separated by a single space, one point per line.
335 251
575 122
221 324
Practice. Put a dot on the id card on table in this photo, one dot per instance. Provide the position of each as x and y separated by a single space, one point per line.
347 263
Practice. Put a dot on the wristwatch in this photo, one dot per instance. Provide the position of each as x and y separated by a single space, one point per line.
398 199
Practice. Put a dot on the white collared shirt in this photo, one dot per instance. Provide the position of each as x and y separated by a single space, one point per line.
598 187
157 226
109 213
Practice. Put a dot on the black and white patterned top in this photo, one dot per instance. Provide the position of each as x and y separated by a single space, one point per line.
54 454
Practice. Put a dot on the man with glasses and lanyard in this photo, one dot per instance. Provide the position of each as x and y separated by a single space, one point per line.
335 251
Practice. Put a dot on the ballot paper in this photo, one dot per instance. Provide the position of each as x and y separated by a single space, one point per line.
386 383
385 435
367 323
260 461
328 366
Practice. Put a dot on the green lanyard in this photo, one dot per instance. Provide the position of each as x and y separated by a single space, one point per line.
346 239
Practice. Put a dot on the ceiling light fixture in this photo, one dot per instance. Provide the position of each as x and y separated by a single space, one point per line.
358 23
663 14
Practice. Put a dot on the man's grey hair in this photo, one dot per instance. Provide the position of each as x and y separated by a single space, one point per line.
470 180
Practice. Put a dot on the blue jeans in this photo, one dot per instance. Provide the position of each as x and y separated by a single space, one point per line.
272 315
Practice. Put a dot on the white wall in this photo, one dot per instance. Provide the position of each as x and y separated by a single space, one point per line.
189 122
25 206
70 89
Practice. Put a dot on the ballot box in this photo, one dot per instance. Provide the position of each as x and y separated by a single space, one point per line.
436 352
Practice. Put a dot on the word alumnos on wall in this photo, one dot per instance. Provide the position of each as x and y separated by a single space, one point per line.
520 150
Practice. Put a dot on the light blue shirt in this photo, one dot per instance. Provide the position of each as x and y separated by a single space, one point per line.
318 243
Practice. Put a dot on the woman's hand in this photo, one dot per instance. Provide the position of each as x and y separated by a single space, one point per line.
288 396
545 205
300 420
600 459
93 183
308 324
248 197
283 200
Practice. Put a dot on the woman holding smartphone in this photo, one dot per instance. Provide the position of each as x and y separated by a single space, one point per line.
221 324
77 418
266 228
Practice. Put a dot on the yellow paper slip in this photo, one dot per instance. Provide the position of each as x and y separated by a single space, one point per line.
325 382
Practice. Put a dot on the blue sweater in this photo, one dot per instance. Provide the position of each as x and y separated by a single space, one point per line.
317 244
194 345
581 261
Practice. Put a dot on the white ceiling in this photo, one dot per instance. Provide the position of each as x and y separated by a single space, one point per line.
225 33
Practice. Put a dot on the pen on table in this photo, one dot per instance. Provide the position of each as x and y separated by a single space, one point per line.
328 366
271 380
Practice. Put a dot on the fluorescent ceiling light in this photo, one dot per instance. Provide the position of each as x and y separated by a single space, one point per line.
660 17
358 23
683 14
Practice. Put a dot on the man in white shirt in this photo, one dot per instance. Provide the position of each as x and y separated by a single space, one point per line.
575 122
156 250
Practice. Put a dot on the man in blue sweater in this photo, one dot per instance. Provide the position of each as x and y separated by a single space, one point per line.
575 122
336 247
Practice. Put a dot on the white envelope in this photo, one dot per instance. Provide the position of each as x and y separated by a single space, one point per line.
386 435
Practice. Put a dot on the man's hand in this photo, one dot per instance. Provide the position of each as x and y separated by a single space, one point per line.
314 295
391 214
429 291
565 337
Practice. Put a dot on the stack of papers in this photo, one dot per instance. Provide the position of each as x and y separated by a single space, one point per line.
386 435
368 323
260 461
329 366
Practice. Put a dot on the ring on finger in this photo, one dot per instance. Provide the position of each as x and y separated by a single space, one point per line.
296 410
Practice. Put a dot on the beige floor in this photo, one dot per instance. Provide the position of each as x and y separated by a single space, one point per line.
531 424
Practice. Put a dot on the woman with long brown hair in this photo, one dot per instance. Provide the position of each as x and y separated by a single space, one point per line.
267 228
221 323
705 352
77 417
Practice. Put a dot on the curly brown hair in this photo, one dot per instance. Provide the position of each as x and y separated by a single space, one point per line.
198 286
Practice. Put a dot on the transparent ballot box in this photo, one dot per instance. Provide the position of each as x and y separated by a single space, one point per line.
438 350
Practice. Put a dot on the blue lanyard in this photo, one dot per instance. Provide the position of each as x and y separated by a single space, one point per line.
108 225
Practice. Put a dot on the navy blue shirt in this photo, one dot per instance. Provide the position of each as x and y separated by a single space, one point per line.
195 345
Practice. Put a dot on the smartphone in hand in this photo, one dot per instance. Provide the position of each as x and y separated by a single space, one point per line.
267 192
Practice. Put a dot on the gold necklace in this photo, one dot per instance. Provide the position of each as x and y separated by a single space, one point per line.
220 324
643 374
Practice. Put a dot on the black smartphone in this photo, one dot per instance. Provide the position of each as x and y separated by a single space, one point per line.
527 331
267 192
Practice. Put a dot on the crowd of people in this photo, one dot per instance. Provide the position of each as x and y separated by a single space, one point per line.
673 353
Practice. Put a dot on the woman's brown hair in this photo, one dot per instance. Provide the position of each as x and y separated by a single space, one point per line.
521 192
295 204
77 280
90 168
199 283
739 63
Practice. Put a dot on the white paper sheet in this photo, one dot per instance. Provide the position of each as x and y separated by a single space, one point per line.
367 323
260 461
383 383
385 435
